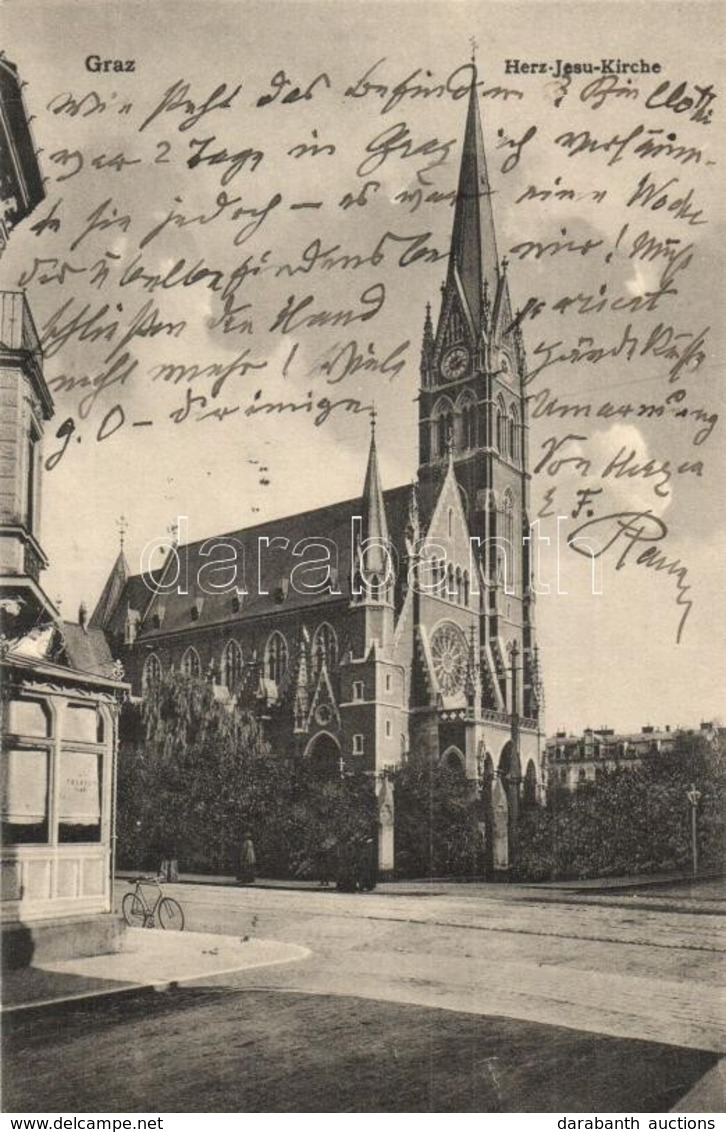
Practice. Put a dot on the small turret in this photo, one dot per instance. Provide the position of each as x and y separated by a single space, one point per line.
373 568
108 602
374 559
427 349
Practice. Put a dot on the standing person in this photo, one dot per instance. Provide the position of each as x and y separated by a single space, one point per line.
247 860
326 861
367 871
346 879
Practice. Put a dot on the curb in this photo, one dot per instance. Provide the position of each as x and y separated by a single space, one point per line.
127 990
159 985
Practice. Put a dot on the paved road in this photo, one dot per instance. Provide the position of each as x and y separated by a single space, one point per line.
460 1001
610 970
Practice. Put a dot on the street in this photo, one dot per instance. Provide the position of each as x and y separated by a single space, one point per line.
448 998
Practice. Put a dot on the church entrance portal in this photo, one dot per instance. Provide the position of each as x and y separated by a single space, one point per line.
324 756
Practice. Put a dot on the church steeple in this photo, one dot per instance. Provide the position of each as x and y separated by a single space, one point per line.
472 406
112 591
473 245
374 559
373 570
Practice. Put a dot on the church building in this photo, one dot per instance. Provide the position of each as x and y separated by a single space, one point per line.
419 637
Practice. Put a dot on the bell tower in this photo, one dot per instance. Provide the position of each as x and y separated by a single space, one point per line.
472 402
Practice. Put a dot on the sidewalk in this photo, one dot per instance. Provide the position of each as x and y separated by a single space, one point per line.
146 959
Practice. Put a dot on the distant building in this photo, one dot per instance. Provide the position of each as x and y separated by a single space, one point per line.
21 182
60 685
571 760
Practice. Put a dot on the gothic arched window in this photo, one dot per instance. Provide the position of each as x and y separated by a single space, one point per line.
232 665
511 433
468 423
483 417
152 672
443 417
450 585
501 427
325 648
508 534
470 437
191 665
276 657
515 446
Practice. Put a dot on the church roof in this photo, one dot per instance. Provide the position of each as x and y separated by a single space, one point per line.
68 650
269 589
86 649
473 243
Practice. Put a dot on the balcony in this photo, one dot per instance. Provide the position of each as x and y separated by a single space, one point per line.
525 722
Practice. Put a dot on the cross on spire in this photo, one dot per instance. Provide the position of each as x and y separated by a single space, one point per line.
374 418
474 46
122 526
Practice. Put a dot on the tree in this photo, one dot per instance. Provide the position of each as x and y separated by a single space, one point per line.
632 820
436 832
195 773
195 777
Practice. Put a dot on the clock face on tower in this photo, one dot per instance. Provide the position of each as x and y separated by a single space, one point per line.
455 363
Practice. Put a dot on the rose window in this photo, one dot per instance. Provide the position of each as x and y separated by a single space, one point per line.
450 655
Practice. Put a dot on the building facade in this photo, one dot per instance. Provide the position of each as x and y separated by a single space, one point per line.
416 631
569 761
60 686
21 182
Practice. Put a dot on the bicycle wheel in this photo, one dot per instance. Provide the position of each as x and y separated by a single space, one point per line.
171 917
133 910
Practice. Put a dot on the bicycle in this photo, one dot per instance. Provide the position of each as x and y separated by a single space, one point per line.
139 913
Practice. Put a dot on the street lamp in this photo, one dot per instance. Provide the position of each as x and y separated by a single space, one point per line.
694 796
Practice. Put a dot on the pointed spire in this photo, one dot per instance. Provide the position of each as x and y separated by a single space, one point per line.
428 337
111 595
486 305
473 243
302 704
427 348
303 649
502 312
412 526
374 526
